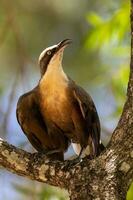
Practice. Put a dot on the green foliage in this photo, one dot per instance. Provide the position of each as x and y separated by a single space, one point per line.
130 193
110 36
105 31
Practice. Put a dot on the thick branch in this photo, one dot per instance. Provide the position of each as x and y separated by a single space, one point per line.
34 166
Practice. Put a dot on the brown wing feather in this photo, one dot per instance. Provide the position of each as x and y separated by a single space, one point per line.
89 116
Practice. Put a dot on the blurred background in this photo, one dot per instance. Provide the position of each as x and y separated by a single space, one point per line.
98 60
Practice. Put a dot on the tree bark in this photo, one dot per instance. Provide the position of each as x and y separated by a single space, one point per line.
106 177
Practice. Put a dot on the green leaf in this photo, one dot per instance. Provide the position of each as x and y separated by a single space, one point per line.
107 31
130 193
94 19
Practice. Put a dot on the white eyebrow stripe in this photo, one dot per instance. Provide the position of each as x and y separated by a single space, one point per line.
45 50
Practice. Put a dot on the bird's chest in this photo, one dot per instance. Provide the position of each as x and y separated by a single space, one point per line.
54 101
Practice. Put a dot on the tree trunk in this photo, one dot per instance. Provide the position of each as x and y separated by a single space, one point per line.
107 177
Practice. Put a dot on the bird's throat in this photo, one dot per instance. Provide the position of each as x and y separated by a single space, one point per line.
54 79
53 87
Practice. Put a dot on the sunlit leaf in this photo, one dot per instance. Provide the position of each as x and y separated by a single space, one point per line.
106 31
94 19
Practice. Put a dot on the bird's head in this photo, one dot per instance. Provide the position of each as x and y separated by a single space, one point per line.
52 56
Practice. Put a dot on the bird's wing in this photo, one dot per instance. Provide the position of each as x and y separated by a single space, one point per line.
31 121
89 116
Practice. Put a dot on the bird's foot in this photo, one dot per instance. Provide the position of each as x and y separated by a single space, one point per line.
49 152
46 152
72 163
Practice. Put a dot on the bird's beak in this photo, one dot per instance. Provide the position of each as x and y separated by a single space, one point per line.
58 54
63 44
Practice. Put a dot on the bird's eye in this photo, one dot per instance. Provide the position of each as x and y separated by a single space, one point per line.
49 52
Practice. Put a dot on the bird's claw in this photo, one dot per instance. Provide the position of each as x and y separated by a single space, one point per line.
72 163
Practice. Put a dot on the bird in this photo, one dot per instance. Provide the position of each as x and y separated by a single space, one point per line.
58 113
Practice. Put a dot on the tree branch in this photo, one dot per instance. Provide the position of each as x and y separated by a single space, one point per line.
33 166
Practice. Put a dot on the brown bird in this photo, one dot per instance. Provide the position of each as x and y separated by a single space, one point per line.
58 112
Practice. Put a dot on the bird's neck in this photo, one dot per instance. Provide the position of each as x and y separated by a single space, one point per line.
54 78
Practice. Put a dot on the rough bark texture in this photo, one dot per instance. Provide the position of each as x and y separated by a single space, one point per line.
106 177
